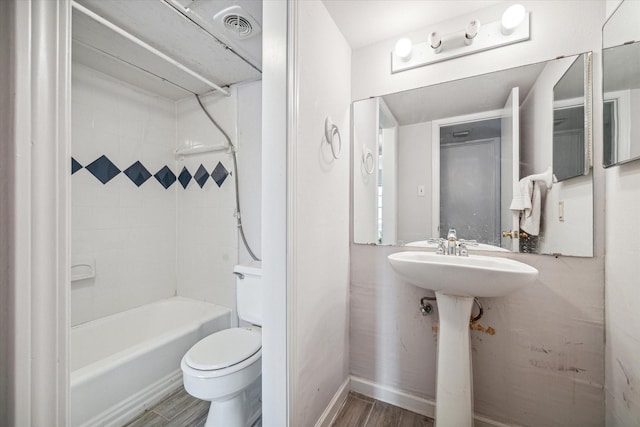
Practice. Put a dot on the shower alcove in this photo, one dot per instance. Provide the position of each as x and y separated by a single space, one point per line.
153 195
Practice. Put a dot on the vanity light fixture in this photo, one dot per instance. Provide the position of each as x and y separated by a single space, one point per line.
512 27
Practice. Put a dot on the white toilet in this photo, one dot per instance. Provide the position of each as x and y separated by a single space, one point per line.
225 368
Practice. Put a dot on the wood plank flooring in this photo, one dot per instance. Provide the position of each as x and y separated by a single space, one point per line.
177 410
362 411
182 410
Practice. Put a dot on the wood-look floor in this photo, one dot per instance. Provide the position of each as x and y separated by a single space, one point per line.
177 410
362 411
182 410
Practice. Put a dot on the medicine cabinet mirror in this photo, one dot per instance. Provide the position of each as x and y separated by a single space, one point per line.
453 155
621 84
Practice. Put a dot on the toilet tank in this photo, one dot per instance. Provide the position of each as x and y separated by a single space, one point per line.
249 291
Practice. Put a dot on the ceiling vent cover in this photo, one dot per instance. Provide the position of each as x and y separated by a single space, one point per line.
236 22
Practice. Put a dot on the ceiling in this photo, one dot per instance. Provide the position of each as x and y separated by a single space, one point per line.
183 30
364 22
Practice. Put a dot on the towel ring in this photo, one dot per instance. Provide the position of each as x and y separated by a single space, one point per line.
367 157
330 131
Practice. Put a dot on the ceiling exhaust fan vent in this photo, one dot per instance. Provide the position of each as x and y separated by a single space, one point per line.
237 23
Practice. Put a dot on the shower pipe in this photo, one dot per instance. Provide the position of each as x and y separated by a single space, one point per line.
232 148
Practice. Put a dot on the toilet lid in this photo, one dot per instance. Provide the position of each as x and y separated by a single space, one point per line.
224 349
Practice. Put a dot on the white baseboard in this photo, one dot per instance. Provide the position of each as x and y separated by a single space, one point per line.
393 396
127 410
409 402
330 413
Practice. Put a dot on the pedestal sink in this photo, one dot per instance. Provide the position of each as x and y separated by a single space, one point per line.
456 280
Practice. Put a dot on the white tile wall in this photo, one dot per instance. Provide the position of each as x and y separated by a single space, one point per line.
207 239
129 231
150 242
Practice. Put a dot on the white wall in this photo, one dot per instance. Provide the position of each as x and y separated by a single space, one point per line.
414 154
622 269
544 365
319 187
568 236
129 231
277 308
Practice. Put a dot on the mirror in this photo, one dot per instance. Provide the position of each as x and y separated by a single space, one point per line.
621 84
453 155
570 153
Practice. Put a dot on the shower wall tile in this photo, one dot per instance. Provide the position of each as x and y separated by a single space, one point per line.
150 242
207 238
130 231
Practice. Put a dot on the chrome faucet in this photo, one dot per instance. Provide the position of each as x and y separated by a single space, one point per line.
452 245
452 239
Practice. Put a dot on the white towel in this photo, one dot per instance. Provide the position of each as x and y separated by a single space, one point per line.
529 202
530 219
522 195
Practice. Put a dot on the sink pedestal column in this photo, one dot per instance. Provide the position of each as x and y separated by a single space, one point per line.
454 399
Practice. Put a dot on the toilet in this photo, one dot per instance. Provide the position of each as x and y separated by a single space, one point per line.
225 368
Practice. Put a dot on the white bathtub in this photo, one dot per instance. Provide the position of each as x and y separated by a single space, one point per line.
125 362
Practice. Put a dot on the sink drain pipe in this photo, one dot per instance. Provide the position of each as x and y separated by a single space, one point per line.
426 308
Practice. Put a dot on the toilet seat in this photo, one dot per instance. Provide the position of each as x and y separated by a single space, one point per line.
224 349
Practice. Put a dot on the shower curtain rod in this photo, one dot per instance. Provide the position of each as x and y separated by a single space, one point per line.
147 47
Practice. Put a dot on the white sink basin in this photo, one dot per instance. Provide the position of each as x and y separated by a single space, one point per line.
475 275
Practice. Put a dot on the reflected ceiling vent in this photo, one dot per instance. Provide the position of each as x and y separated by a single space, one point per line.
237 23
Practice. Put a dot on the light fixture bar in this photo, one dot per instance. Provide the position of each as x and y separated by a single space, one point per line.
490 36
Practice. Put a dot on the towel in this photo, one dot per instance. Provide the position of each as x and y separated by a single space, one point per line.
522 195
529 202
530 218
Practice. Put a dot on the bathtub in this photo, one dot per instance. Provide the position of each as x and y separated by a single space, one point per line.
123 363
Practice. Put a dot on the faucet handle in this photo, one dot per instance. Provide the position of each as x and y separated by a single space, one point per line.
462 249
440 242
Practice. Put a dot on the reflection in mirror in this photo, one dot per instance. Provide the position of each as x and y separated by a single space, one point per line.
570 153
453 155
621 84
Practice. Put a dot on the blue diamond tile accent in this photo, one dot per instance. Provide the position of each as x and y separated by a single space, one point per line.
75 166
184 178
103 169
219 174
137 173
201 176
165 177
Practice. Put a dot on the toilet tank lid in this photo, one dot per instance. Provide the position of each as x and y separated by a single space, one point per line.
251 267
224 349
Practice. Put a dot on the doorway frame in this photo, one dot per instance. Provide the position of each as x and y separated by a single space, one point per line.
435 158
